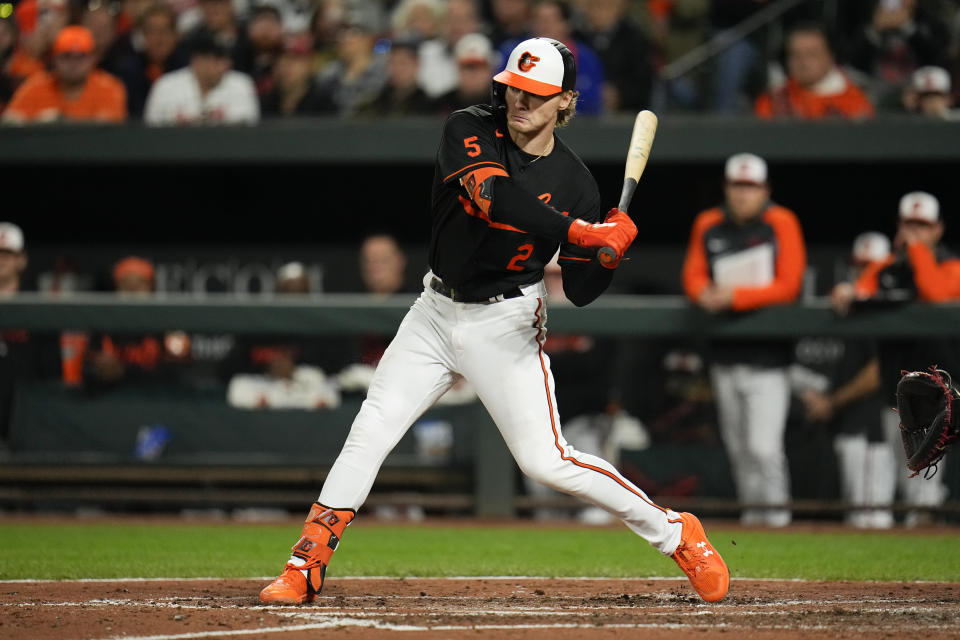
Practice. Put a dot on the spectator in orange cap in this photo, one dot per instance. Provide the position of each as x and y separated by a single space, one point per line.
73 90
133 276
127 358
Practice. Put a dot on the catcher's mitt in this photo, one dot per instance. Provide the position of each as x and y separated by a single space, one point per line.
928 425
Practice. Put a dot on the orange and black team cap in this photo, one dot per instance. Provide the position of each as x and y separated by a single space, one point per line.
541 66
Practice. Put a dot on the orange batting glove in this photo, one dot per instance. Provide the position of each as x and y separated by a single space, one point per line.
617 231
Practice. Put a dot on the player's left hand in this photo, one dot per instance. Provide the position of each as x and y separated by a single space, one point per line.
617 231
629 229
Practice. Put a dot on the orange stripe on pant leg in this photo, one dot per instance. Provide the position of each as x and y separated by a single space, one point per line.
553 425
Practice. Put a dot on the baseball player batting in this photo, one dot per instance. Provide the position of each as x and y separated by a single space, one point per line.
507 192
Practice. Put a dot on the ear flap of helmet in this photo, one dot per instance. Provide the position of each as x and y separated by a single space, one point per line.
498 95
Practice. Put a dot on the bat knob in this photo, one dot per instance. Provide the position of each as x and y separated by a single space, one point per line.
606 255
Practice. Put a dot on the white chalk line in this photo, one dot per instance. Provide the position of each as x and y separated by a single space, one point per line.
377 624
339 623
856 607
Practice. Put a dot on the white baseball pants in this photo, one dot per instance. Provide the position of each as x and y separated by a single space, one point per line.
752 404
866 480
498 348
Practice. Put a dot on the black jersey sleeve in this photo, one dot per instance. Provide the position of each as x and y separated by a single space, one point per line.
584 278
469 143
521 209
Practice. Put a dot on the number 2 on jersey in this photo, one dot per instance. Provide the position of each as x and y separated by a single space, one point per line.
523 252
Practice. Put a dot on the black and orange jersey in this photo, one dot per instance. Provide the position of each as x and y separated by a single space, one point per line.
716 237
476 250
917 273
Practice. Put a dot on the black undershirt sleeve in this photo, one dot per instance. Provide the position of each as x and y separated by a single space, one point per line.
514 206
584 281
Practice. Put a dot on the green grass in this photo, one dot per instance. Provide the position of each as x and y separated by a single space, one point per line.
58 551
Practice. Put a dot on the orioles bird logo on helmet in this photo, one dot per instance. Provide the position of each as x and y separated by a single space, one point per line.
527 61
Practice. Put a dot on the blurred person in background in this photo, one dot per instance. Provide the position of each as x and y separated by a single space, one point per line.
266 37
383 265
100 17
837 383
9 79
111 360
815 86
676 27
40 21
417 19
476 61
151 52
359 72
930 94
205 92
553 19
383 273
13 258
625 52
509 20
24 356
899 37
15 63
438 73
296 91
13 342
740 65
283 371
218 19
401 95
748 254
129 13
75 90
325 25
919 269
295 15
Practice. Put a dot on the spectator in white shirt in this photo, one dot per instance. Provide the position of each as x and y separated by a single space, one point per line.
205 92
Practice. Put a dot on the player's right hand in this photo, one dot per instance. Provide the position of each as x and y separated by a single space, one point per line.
616 232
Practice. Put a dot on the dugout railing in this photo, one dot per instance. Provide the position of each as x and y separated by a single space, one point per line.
55 464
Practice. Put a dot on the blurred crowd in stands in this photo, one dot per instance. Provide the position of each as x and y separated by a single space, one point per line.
174 62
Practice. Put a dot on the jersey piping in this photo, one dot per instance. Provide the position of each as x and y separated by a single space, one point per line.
487 163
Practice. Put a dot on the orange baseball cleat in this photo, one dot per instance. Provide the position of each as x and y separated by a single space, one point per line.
302 577
704 567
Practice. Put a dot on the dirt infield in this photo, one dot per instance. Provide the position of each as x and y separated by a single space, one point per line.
655 609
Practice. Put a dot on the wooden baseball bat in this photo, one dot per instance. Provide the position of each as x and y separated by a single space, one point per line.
644 129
